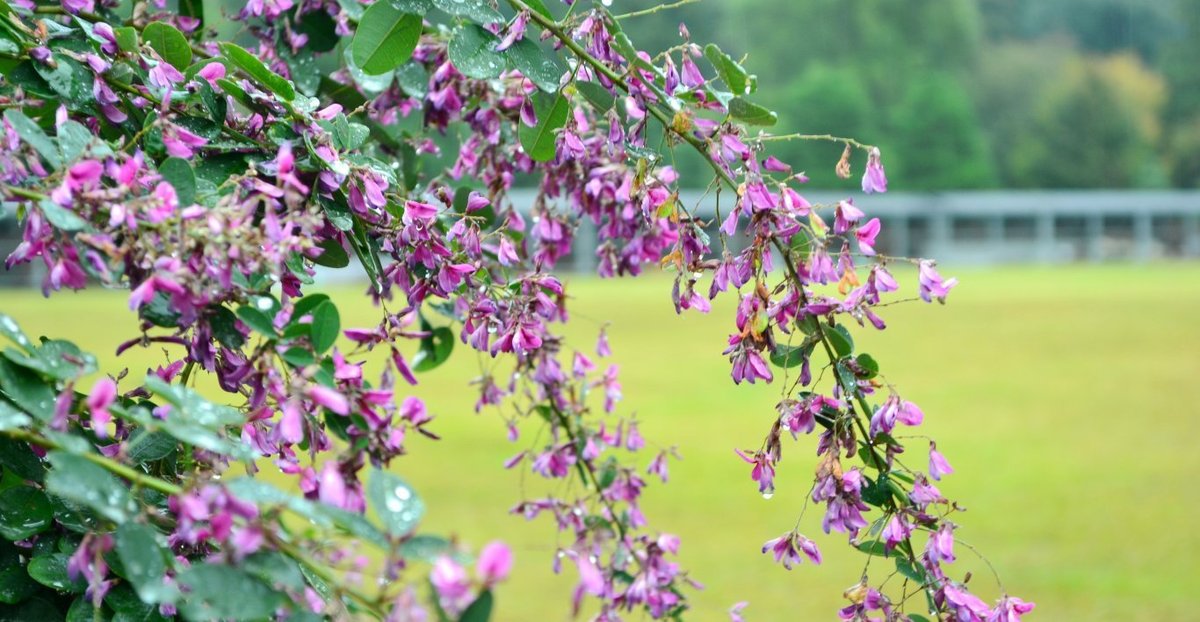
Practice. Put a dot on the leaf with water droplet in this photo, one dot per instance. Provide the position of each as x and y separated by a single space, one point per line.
223 592
473 52
77 479
24 511
26 390
51 571
10 329
394 502
144 562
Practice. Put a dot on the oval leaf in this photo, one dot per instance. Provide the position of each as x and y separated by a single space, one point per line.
170 44
472 50
255 68
538 142
385 39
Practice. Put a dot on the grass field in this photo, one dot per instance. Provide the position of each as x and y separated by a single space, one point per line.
1064 397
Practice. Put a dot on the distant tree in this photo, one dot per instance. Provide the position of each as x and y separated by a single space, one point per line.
1081 137
935 141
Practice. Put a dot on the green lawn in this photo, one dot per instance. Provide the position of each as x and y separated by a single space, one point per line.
1062 396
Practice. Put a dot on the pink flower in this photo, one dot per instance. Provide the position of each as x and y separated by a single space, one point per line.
332 486
873 179
495 562
1010 609
735 612
449 580
329 398
866 235
938 466
931 283
103 395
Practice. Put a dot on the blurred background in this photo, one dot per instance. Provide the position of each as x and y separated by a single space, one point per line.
1047 152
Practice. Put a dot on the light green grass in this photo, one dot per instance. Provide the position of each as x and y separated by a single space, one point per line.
1064 397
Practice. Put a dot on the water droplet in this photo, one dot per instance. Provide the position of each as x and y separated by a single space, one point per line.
768 495
403 493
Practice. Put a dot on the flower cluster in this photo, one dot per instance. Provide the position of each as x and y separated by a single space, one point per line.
212 181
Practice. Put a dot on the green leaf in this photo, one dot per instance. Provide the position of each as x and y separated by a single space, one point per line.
478 11
540 7
32 134
326 326
262 493
82 610
24 512
276 570
786 356
395 503
425 548
916 573
223 592
868 364
127 38
178 173
62 218
338 212
170 44
11 418
257 321
732 74
333 254
874 547
27 390
77 479
480 610
15 583
59 360
51 571
70 80
385 39
194 420
538 142
413 78
542 69
840 339
144 446
18 458
9 328
224 327
258 71
435 349
596 95
144 561
751 113
472 51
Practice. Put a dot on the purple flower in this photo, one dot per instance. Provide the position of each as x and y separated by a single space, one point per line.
449 580
787 549
180 142
938 466
495 562
735 612
963 605
103 395
329 398
931 283
940 547
866 235
896 531
1010 609
516 31
846 215
873 178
